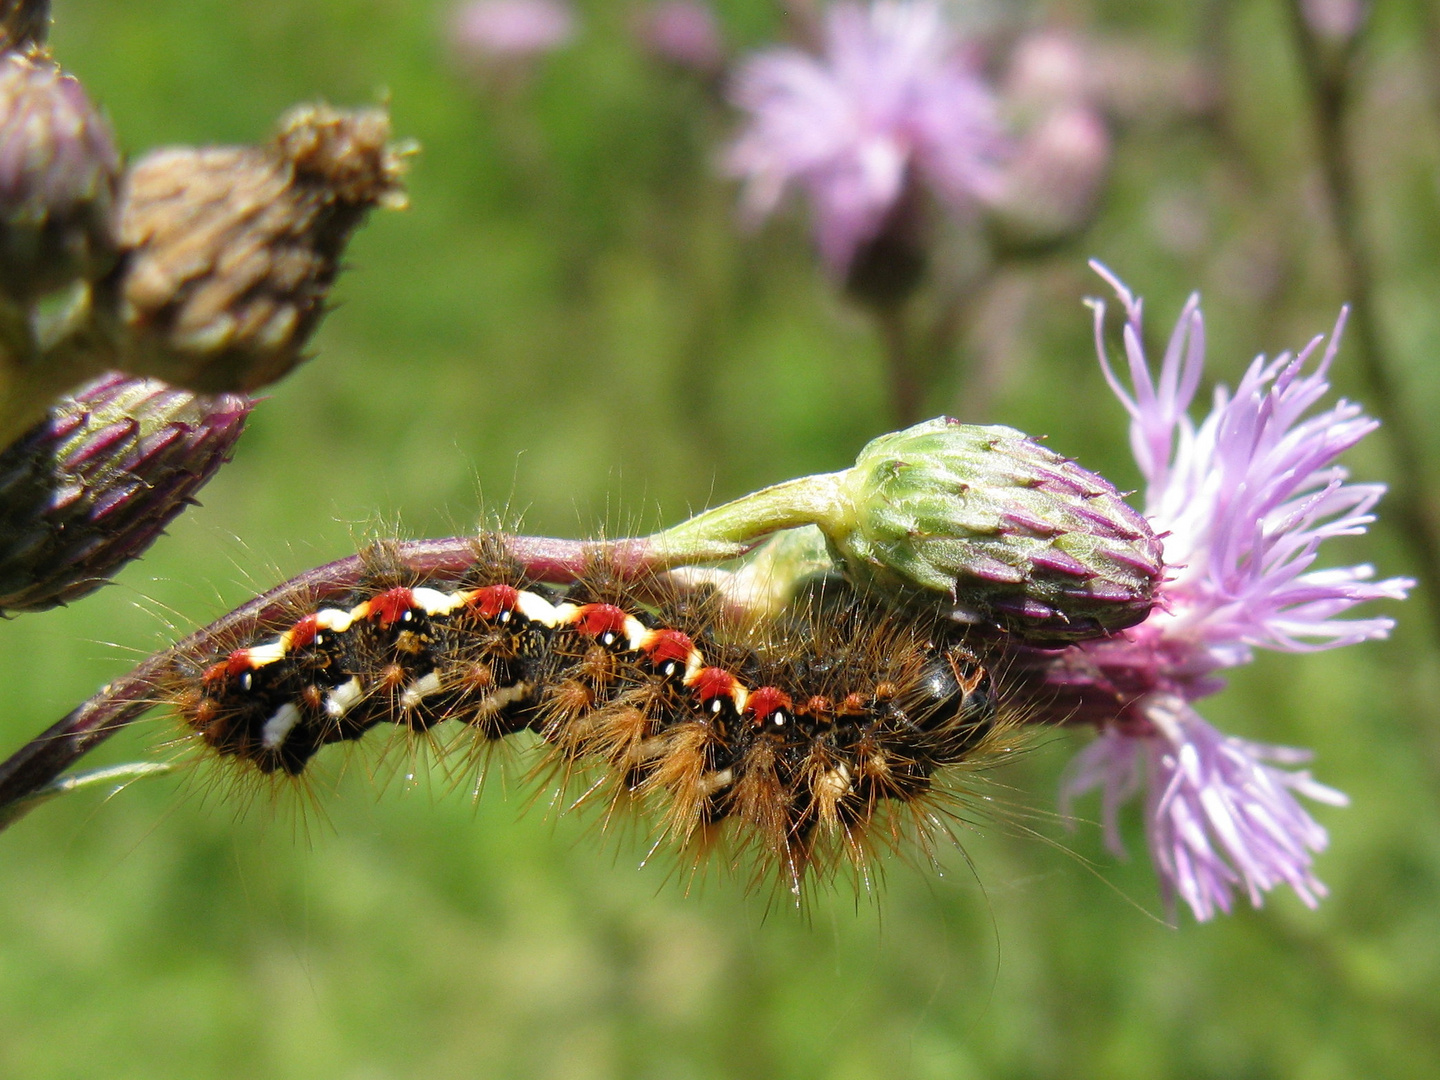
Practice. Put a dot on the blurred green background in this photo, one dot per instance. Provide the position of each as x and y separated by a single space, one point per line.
569 327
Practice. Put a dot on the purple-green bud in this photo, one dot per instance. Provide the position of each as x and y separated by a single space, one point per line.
58 173
94 484
1013 532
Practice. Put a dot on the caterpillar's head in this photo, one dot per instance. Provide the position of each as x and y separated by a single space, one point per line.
958 704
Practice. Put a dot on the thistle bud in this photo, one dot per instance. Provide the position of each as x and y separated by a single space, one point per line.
58 171
1017 534
231 250
91 487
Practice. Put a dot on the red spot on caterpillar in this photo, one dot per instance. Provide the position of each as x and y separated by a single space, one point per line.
669 645
304 631
766 702
818 706
215 673
492 600
390 606
237 663
713 682
595 620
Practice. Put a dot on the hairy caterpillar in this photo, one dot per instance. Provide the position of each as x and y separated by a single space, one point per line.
797 738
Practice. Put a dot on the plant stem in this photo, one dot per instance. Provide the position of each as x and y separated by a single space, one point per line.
45 757
907 389
1329 88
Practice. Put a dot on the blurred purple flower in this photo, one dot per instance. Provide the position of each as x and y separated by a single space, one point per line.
1335 20
893 101
1050 186
512 28
1243 502
685 33
1051 183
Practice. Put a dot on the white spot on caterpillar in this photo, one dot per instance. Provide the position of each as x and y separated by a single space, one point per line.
260 655
343 698
434 602
334 619
636 633
493 703
420 689
713 782
246 682
834 782
539 610
279 726
562 614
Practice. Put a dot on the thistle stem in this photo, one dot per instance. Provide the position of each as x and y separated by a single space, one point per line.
907 386
40 761
1327 80
811 500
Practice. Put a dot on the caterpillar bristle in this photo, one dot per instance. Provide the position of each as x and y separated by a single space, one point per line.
803 748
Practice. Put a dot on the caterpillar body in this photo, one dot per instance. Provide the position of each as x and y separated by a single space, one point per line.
795 738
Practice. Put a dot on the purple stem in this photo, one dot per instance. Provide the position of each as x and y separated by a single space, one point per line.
128 698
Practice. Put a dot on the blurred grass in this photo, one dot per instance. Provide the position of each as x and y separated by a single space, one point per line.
568 324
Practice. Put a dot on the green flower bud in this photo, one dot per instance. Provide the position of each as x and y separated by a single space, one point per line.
58 171
230 251
93 485
1015 533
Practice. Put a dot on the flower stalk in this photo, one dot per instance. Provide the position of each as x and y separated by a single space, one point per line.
39 762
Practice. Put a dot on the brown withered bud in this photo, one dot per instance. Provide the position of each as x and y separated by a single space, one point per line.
58 172
92 485
24 23
230 251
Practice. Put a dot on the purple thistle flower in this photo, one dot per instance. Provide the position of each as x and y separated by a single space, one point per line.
893 100
685 33
513 28
1242 502
1336 21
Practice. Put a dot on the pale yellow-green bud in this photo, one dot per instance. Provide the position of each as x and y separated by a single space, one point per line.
1009 528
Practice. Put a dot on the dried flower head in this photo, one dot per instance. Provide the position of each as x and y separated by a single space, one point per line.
1243 501
893 101
24 24
230 251
93 485
58 172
